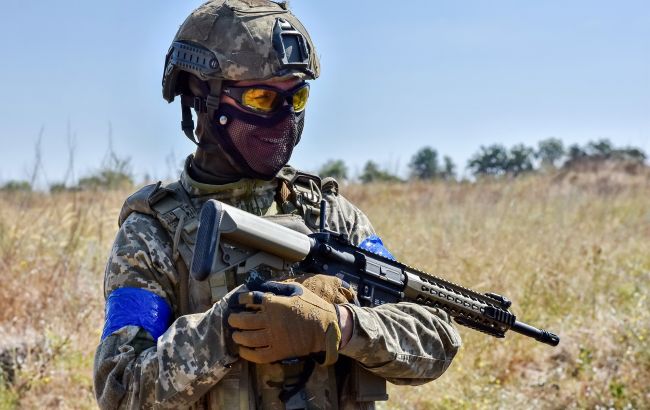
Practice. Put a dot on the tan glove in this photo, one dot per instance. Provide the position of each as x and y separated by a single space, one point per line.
328 287
282 321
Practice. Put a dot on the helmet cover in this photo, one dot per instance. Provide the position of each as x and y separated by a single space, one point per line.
239 40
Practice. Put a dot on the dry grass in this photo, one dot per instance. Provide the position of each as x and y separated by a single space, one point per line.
52 253
572 252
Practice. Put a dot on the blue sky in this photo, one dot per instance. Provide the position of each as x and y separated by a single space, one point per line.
396 76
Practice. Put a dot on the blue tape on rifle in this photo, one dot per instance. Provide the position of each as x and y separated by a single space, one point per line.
136 307
374 244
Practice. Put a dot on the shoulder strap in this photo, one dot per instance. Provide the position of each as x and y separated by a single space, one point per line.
330 186
177 214
299 192
138 202
172 207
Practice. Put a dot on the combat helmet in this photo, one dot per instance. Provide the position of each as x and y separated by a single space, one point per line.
234 40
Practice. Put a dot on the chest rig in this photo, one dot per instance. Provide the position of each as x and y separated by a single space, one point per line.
293 200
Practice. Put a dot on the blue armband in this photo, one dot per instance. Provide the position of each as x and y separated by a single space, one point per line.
136 307
374 244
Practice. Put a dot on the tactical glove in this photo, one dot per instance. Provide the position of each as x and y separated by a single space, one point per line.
328 287
287 321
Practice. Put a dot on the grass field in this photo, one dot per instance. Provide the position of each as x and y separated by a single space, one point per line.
571 251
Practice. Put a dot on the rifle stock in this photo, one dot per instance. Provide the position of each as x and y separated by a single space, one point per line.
231 238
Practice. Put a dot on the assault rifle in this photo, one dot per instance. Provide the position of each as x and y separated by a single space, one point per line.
230 238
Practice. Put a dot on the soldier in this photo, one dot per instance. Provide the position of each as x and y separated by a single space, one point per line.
170 341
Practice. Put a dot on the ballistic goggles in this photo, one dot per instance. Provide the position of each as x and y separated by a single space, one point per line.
266 99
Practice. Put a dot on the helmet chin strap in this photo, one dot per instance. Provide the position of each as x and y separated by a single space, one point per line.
187 123
209 104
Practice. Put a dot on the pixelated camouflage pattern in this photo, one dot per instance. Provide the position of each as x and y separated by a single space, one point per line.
239 33
132 371
405 343
251 195
190 366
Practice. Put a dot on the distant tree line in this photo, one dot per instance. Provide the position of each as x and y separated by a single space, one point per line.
113 173
495 160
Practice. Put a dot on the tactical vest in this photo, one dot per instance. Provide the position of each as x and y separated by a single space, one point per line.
295 204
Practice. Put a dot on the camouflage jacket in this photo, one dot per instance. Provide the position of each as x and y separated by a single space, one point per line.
189 366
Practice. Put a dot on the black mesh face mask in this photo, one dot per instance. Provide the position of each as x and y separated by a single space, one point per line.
260 145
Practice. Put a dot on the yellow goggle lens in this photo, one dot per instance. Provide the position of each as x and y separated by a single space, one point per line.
300 99
260 99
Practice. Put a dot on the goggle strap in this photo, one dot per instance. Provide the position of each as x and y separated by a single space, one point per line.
201 104
214 96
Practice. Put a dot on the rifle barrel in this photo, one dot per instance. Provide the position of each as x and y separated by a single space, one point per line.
540 335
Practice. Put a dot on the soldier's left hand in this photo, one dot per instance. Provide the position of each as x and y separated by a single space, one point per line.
284 320
328 287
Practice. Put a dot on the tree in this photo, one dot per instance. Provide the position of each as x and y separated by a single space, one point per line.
601 149
550 151
114 174
520 160
424 164
58 187
576 153
449 169
335 169
492 160
372 173
16 186
631 154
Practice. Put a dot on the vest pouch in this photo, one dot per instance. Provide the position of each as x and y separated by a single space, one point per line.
368 387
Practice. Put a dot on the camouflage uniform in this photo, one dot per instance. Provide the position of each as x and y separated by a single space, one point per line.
189 365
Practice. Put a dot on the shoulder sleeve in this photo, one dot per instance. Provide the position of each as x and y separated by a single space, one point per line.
403 342
141 258
135 369
344 217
